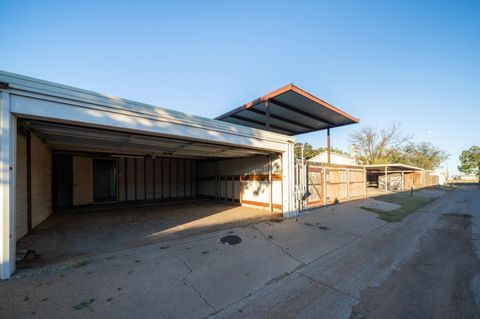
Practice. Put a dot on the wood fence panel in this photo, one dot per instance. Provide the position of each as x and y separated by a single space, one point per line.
343 183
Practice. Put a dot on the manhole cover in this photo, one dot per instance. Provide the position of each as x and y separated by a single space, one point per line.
231 240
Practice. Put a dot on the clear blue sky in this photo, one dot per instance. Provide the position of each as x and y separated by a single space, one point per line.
414 62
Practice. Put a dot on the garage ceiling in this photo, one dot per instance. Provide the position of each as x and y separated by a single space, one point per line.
88 139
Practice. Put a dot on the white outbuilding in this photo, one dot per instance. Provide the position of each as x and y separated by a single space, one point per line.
335 158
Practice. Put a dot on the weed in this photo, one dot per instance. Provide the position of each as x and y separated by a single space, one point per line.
276 220
80 263
84 304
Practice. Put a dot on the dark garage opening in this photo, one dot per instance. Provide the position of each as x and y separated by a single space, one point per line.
104 180
95 191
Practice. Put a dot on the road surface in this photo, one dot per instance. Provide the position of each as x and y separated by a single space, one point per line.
339 261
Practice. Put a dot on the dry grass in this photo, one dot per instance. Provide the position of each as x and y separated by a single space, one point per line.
409 204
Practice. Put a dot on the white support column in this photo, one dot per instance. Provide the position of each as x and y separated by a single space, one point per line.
7 187
288 181
270 184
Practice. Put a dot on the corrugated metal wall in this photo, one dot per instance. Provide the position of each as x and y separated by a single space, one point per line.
40 182
242 180
159 178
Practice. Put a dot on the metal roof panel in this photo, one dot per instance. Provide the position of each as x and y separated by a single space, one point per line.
292 109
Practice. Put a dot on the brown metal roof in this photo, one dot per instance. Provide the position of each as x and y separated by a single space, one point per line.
289 110
391 167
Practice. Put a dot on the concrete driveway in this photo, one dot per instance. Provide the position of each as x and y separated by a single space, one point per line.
315 267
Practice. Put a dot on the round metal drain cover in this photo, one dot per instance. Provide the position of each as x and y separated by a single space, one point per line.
231 240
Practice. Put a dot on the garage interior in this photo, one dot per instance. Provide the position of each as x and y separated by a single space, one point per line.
83 191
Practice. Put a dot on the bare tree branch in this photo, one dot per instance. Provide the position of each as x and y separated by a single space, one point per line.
377 146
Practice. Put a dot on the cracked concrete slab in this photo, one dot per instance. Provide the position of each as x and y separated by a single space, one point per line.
313 242
345 218
130 286
224 274
294 297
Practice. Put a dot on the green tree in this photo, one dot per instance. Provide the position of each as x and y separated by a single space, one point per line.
423 154
470 161
309 151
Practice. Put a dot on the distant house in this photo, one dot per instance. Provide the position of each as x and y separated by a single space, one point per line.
335 158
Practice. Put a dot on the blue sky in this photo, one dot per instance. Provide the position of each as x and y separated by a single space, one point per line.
413 62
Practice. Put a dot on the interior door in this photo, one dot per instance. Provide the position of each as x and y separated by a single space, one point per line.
62 180
104 180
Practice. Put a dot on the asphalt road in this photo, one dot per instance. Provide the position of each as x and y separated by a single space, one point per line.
425 266
439 281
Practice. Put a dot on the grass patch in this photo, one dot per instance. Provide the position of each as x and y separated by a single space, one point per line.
80 263
409 204
84 304
276 220
444 187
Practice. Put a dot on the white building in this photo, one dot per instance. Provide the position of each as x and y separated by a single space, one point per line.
64 147
335 158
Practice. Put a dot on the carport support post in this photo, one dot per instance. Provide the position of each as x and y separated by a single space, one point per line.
403 181
328 145
8 141
386 179
365 182
267 114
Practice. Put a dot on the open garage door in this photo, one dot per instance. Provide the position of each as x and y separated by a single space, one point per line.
84 182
